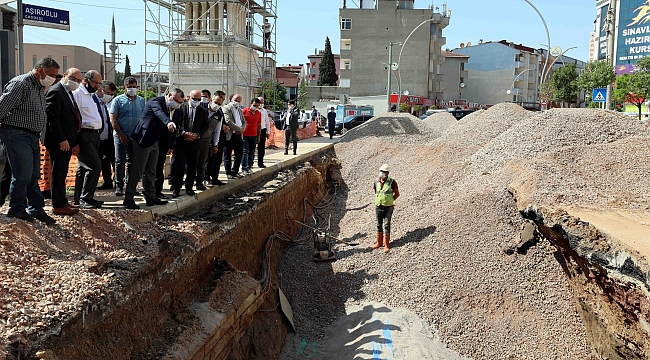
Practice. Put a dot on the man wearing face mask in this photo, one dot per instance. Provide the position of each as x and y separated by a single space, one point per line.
386 192
191 122
206 97
22 118
92 124
251 135
234 119
206 138
61 135
290 126
154 122
126 111
105 94
218 138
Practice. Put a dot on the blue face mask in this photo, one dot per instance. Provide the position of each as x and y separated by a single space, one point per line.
173 104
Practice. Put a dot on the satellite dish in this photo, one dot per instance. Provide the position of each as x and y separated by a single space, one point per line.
393 66
555 51
406 92
462 85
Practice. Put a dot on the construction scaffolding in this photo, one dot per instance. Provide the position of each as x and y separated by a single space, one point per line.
227 45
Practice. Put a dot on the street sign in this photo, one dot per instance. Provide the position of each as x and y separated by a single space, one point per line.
46 17
556 51
599 95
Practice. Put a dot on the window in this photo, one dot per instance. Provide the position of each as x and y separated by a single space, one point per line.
346 64
346 24
345 44
344 83
65 63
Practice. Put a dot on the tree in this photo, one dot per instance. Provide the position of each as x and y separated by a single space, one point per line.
119 79
633 88
127 67
404 108
597 74
274 94
546 92
302 95
327 68
564 83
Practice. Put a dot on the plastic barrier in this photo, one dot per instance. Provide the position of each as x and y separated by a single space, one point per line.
276 137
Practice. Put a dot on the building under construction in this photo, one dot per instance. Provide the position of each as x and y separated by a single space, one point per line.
224 45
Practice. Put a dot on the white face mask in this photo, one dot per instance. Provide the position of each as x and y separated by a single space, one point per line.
131 91
194 103
48 81
107 98
214 106
253 108
173 104
235 104
204 99
71 85
382 175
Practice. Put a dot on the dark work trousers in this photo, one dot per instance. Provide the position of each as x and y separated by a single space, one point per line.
235 145
122 161
330 128
107 156
214 164
143 161
5 182
185 153
261 148
89 165
59 162
163 148
203 157
288 132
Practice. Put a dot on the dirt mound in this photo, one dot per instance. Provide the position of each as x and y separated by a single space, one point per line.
555 129
403 127
439 123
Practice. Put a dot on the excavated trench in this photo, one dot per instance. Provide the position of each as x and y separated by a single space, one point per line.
202 299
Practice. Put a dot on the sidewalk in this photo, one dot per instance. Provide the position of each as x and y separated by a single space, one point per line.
275 160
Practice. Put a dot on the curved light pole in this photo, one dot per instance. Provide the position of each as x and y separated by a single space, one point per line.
559 57
548 36
515 80
399 59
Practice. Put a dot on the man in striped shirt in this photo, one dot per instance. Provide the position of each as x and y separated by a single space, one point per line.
22 119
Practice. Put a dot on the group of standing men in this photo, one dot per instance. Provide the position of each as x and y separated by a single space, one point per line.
124 135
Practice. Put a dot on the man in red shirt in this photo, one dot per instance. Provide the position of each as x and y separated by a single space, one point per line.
251 134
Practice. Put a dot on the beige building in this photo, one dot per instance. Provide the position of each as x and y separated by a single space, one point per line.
67 56
453 69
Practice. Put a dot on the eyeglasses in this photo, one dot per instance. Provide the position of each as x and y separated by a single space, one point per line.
196 99
78 81
93 81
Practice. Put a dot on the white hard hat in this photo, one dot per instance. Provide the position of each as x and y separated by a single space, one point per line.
384 168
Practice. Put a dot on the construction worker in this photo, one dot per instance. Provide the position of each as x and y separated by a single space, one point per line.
386 192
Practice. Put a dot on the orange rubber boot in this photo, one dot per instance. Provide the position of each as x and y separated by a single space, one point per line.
380 241
386 243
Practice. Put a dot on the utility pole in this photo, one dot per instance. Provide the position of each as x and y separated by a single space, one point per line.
611 57
20 26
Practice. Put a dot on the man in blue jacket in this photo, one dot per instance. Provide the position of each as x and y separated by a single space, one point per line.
154 121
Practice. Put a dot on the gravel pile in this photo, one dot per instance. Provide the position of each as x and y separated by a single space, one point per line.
400 127
440 122
454 219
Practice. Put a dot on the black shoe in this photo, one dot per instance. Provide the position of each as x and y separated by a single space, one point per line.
286 152
201 187
94 201
88 205
43 217
105 186
161 196
294 152
261 166
119 191
172 188
156 201
176 194
130 204
190 192
218 182
22 215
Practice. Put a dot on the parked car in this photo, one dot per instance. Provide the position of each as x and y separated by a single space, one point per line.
350 122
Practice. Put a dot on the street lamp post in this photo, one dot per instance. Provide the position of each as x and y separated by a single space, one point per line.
390 68
399 60
548 36
515 80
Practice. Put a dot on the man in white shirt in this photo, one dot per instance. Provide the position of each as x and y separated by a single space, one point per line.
92 124
234 119
265 130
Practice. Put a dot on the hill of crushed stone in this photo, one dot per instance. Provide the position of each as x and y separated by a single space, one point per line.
462 188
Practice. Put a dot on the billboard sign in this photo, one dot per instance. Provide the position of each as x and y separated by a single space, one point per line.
602 38
46 17
633 40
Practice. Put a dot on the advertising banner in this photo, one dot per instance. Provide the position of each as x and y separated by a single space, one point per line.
633 41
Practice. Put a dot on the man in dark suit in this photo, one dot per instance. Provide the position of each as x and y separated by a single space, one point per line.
290 126
191 122
61 135
153 123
